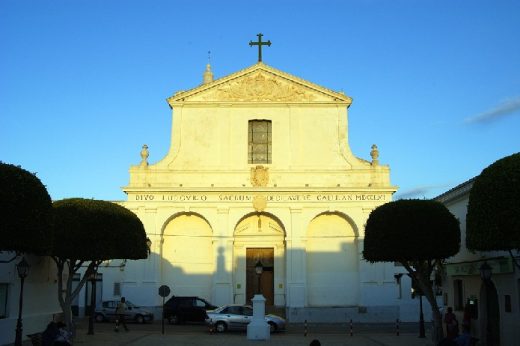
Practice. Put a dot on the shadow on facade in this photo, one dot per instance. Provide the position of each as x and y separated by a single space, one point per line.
306 283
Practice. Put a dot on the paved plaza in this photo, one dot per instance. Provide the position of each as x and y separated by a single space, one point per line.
327 334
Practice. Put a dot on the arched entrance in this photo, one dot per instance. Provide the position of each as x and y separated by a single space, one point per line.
187 256
259 237
490 322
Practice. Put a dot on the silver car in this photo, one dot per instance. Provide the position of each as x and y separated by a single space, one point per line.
237 317
107 312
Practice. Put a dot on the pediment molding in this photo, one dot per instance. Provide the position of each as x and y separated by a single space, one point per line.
259 84
251 229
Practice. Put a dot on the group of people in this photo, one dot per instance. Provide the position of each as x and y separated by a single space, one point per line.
56 334
453 337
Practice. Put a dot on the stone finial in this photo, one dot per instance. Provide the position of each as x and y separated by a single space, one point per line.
144 156
208 75
374 153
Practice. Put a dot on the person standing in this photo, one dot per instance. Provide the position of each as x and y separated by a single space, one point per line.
120 313
452 325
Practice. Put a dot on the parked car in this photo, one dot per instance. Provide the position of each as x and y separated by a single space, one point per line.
107 312
186 309
237 317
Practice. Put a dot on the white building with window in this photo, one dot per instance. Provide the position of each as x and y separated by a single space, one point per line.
40 290
260 169
493 305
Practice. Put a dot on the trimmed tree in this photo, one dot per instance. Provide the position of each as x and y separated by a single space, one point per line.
493 219
25 212
419 234
89 232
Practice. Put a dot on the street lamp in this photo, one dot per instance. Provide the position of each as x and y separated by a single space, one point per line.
23 269
485 271
259 268
92 278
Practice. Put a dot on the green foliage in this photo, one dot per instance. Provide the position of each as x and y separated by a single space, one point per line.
93 230
411 230
25 212
493 219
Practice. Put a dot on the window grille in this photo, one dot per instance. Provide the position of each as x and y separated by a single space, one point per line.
117 288
259 140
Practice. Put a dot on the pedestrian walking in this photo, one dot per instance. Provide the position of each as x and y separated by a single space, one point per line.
120 312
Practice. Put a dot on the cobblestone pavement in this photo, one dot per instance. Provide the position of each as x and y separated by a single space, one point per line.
198 334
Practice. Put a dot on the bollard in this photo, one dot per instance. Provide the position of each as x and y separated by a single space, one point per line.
351 332
305 328
397 327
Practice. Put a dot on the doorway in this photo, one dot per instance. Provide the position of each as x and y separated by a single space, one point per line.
491 311
264 283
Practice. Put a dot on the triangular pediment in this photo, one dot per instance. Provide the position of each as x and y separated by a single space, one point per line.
259 83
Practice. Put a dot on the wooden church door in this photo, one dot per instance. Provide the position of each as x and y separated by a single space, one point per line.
265 283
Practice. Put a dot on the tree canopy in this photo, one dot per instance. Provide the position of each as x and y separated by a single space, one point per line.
87 233
411 230
493 219
419 234
90 230
25 212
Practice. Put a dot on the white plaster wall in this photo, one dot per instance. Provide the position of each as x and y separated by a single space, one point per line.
505 284
40 302
188 261
332 263
222 132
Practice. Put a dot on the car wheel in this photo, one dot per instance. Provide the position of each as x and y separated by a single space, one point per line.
139 318
272 327
99 318
220 327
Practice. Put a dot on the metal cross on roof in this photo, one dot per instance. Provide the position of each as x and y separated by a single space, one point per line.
259 43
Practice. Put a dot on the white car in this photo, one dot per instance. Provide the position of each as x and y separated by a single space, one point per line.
237 317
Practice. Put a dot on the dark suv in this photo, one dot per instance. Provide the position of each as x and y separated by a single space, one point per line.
186 309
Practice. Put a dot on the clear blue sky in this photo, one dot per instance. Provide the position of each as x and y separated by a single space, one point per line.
436 84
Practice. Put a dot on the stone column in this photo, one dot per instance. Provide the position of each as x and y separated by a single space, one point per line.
258 329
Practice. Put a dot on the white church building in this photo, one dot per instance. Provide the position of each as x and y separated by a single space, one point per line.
260 169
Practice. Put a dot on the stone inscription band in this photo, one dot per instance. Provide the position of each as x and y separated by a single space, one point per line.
226 197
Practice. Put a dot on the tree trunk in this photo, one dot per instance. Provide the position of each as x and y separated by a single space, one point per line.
426 286
421 274
437 332
67 295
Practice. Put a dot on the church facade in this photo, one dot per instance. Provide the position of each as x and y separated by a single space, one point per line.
259 171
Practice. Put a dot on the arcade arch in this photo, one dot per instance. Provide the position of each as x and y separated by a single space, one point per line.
187 255
332 261
259 237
